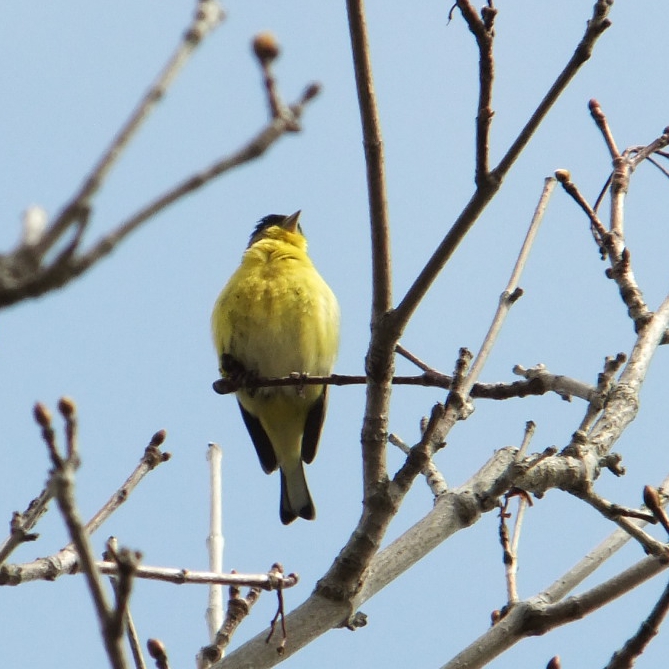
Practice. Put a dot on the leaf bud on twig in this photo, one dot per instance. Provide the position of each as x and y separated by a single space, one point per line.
266 47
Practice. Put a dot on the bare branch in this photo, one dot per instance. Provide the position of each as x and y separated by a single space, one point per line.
238 608
206 17
625 657
215 540
24 274
539 381
620 516
611 242
603 125
62 482
483 194
599 232
597 24
22 523
549 608
374 160
483 30
512 291
177 576
64 562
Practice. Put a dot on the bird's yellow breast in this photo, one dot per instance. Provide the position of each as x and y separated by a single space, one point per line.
277 315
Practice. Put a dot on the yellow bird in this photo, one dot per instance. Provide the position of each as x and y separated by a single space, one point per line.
276 316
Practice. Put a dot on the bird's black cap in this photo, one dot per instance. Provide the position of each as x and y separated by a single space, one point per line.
274 219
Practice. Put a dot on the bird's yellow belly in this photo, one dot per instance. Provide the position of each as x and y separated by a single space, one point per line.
280 320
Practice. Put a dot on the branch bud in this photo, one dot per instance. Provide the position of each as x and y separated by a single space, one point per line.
156 649
158 438
562 176
266 47
67 407
42 415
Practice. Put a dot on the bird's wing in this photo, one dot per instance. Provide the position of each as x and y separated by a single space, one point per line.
313 425
261 441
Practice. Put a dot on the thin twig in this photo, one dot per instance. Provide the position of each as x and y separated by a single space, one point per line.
621 515
279 615
603 125
23 275
62 482
237 609
122 616
605 384
177 576
254 148
654 162
483 30
412 358
598 23
374 159
64 561
512 292
134 642
457 406
126 562
599 232
539 382
611 242
22 523
596 26
510 546
215 541
206 17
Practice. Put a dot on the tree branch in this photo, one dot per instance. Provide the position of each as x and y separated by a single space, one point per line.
24 274
374 160
64 562
483 194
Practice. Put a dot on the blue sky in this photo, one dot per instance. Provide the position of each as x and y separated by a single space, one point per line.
130 340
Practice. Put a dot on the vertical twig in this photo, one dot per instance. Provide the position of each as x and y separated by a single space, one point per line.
483 30
374 159
215 540
62 483
126 565
511 546
379 362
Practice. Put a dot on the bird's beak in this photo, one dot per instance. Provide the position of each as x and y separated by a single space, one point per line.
291 222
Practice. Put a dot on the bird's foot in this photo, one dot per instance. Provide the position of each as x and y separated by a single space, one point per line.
237 375
302 376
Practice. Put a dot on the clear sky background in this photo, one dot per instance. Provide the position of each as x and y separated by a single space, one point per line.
130 340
